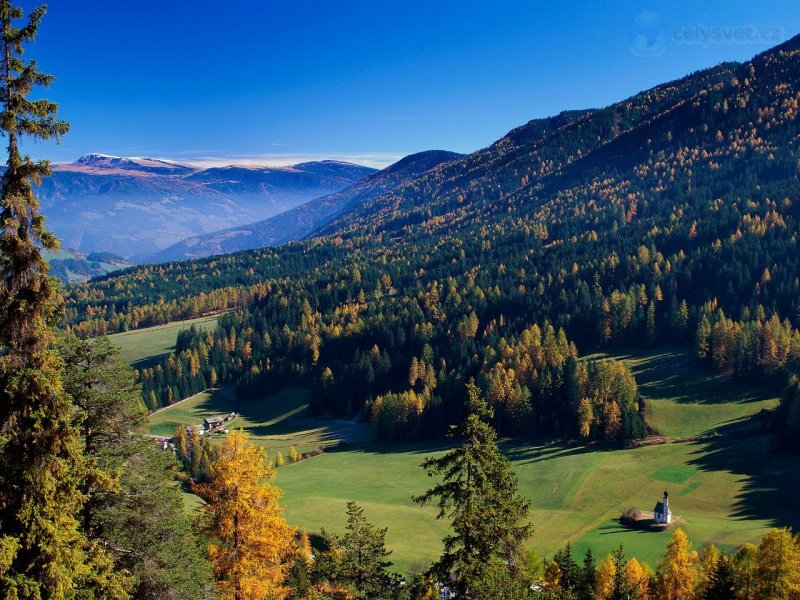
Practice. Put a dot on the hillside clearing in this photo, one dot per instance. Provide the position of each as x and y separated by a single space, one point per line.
276 422
683 399
142 345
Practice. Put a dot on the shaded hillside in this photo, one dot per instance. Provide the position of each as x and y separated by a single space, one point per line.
137 206
525 158
300 221
672 216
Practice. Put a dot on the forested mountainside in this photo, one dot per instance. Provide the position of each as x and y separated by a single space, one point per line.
134 207
668 217
297 223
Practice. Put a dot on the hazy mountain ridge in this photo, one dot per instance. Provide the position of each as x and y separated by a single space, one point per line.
137 206
302 220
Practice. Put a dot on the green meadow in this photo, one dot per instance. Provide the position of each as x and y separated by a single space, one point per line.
723 494
275 422
142 345
682 399
727 489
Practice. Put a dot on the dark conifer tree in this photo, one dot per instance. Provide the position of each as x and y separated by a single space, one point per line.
362 566
588 577
570 571
721 581
133 507
43 552
478 494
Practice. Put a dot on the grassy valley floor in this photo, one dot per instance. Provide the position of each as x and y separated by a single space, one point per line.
727 489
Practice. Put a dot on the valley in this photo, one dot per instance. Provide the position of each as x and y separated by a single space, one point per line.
315 359
725 488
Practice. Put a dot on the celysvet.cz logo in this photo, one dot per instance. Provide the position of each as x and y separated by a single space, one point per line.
650 37
647 35
745 34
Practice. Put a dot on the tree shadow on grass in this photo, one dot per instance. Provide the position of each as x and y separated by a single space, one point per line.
517 451
422 448
217 402
521 453
149 361
674 374
772 480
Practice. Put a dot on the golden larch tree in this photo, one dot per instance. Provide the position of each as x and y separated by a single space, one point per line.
777 573
637 577
677 572
604 583
251 543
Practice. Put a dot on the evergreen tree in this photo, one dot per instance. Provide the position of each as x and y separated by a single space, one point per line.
133 507
721 581
43 552
108 409
570 571
479 496
588 577
623 590
361 552
150 534
498 583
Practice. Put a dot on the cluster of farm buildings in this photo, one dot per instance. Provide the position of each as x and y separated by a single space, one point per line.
210 426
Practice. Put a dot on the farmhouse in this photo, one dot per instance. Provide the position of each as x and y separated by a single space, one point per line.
213 422
190 429
662 513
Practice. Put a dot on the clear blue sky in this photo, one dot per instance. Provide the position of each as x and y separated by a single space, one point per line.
275 82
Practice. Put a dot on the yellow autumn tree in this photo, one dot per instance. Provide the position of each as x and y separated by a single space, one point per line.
777 573
604 583
251 543
677 572
552 576
638 578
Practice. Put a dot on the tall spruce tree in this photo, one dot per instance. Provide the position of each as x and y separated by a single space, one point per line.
478 494
721 584
588 576
361 563
133 507
43 552
570 571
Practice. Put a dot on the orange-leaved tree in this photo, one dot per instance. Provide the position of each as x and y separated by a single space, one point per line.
251 543
677 572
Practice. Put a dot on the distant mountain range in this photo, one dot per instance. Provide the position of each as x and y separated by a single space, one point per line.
135 207
299 222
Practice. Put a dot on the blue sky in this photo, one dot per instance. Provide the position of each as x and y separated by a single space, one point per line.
269 82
